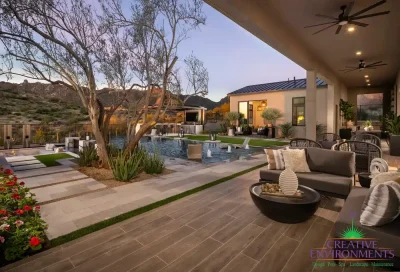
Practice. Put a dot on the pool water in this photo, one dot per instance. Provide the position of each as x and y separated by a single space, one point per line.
177 148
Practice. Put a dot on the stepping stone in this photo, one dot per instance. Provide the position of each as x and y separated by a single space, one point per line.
29 167
62 190
20 158
44 171
20 163
53 178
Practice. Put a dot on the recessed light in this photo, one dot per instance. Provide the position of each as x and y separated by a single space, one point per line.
351 29
358 53
367 80
366 76
369 84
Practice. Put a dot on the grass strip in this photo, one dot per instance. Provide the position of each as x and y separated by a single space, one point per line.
51 159
119 218
238 141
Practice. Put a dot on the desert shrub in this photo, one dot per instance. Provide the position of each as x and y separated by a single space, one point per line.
153 163
286 129
22 231
88 156
113 150
126 168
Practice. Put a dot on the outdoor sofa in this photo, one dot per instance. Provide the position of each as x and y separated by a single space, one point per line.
332 172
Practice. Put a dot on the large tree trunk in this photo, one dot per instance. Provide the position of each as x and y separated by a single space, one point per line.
98 134
134 141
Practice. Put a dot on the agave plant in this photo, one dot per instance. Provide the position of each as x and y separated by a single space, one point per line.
126 168
153 164
87 156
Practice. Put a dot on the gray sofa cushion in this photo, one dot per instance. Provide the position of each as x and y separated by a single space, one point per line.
388 235
316 180
341 163
327 144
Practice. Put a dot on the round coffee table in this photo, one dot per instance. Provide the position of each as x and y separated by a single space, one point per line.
284 209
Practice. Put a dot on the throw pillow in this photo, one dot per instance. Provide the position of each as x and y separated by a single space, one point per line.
275 159
381 205
383 177
296 160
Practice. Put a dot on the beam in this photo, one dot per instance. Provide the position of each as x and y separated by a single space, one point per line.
311 105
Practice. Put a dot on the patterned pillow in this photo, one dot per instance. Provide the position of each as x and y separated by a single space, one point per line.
382 204
383 177
275 159
296 160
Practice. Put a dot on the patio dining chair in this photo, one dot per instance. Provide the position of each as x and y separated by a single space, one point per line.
365 153
301 142
367 137
328 140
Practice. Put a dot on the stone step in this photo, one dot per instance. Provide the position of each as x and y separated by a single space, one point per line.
57 191
20 163
53 178
28 167
20 158
44 171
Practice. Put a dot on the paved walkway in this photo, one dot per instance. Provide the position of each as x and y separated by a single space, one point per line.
218 229
70 200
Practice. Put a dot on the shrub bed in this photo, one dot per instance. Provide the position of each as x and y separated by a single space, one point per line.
22 231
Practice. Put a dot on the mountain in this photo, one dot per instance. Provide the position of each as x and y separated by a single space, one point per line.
204 102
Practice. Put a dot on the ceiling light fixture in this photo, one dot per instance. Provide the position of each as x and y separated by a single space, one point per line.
369 84
366 76
358 53
367 80
351 29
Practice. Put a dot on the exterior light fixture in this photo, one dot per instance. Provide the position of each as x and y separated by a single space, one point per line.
263 104
358 53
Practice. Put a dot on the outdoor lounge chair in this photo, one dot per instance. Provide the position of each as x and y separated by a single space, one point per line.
246 142
300 142
194 151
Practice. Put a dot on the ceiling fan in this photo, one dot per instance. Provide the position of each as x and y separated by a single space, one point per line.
361 66
345 18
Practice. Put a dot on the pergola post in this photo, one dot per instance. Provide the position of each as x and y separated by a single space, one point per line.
330 109
311 107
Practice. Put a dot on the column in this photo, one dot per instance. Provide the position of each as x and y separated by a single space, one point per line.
311 109
330 109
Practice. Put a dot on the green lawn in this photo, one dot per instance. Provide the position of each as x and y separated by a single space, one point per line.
50 160
231 140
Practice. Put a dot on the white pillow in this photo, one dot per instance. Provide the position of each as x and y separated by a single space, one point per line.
296 160
383 177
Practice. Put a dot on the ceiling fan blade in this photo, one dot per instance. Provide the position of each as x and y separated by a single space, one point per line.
325 28
358 23
369 8
319 24
350 67
325 16
351 71
349 8
370 15
369 68
383 64
338 29
374 63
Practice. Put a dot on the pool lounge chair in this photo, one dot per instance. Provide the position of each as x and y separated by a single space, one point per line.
194 151
246 142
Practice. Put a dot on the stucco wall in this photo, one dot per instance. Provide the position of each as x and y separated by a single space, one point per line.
282 100
397 86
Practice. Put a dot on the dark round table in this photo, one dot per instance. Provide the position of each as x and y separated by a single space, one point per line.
364 179
284 209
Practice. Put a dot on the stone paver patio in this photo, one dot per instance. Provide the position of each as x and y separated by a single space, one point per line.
218 229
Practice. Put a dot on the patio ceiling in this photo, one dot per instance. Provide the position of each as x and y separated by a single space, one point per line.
281 25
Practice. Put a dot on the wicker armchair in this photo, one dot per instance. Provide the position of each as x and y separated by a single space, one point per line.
300 142
365 153
331 137
366 137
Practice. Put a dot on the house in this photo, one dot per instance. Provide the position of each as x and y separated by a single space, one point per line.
287 96
326 46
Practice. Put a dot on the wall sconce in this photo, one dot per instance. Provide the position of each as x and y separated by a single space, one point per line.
263 104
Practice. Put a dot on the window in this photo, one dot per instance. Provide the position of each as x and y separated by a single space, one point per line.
243 109
370 107
298 111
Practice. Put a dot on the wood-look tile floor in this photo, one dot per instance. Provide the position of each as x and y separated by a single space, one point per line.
218 229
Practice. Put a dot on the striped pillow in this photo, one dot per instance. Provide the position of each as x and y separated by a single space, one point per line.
275 159
382 204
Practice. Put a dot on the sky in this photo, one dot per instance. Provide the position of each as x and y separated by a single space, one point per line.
234 57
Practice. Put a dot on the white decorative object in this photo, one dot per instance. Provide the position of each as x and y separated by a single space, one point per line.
247 146
87 138
49 147
209 153
378 166
229 149
288 182
153 132
383 177
239 129
230 132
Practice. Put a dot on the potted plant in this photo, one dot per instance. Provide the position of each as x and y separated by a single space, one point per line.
270 115
368 125
286 130
348 114
232 117
393 126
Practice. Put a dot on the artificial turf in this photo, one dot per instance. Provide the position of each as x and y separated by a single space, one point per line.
51 159
108 222
231 140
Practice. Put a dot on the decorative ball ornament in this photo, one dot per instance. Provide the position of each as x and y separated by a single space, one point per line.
378 165
288 181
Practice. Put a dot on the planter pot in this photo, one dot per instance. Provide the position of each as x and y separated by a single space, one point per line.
230 132
154 132
345 133
394 145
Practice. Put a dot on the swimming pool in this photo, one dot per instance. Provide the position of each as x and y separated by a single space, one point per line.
177 148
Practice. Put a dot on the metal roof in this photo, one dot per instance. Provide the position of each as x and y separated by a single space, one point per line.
277 86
